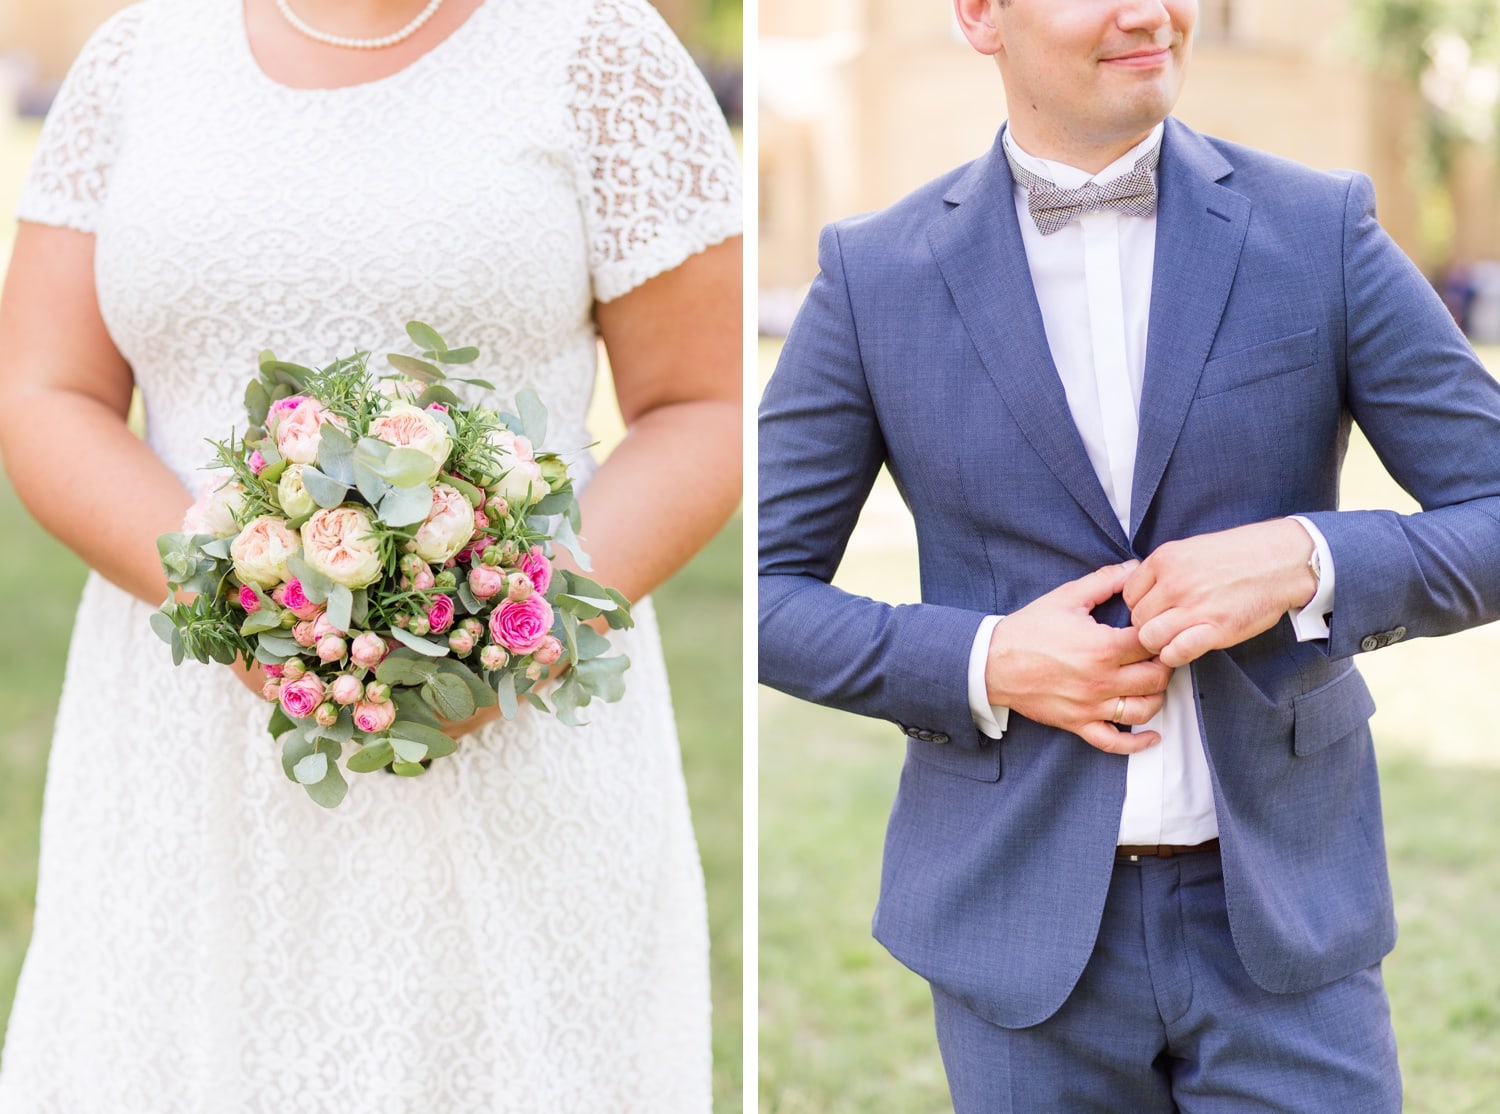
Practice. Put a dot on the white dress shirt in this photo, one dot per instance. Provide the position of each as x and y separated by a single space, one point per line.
1093 282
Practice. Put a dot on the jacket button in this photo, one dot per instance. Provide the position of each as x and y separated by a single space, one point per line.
913 732
940 738
1369 642
1398 634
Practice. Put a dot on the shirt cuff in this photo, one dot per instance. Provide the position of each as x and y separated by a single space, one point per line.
991 719
1310 621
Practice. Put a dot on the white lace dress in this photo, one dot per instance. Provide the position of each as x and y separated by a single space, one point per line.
523 929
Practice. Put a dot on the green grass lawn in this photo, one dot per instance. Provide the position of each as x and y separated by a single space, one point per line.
843 1027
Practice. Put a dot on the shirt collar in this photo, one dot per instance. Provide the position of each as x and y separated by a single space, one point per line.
1070 177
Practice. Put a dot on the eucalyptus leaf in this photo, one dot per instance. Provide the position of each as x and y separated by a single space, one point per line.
591 605
407 750
555 503
369 482
449 697
396 670
406 506
466 489
279 646
437 392
591 643
295 746
325 492
340 607
408 769
280 723
429 737
533 415
262 620
425 336
505 694
179 651
485 383
536 701
311 769
372 451
411 708
465 355
360 609
570 635
566 536
420 645
604 677
620 618
293 374
409 467
468 599
568 699
417 369
162 624
217 549
484 696
336 454
331 791
257 402
371 757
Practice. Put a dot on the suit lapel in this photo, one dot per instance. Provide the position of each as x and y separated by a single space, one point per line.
978 249
1200 230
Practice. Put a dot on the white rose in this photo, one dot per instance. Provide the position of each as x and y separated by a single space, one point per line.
261 551
340 543
292 495
519 476
408 427
449 525
213 513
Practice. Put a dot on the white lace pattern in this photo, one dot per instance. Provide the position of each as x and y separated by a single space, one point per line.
523 929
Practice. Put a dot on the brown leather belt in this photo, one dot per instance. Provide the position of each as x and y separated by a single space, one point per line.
1134 853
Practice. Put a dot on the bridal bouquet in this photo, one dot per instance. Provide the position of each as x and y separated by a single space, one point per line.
384 551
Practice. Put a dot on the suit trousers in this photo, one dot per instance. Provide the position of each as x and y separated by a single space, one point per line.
1165 1018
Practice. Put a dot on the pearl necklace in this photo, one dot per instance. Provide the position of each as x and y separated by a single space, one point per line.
359 44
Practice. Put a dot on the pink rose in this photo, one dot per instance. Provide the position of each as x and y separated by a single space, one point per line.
219 500
299 698
295 600
485 581
347 689
521 625
536 566
407 427
374 718
298 428
340 543
248 600
440 614
549 651
368 650
331 648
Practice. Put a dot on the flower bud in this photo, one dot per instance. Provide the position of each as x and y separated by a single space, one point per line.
446 579
377 692
555 472
274 671
248 600
271 691
331 648
402 620
485 581
372 718
534 671
288 620
368 650
474 627
510 553
293 669
496 507
303 634
418 625
424 580
347 689
257 462
518 586
491 555
411 564
326 715
549 651
461 642
493 657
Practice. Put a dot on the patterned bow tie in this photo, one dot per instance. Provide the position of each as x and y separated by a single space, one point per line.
1053 207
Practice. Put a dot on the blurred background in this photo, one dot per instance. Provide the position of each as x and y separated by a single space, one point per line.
700 609
860 102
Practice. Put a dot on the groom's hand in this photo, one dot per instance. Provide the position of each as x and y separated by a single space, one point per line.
1053 663
1217 590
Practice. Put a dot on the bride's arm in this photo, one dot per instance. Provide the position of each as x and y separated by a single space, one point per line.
64 397
675 350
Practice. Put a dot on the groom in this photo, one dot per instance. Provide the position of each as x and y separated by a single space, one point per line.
1112 367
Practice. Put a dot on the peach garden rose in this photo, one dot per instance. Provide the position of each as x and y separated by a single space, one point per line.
340 543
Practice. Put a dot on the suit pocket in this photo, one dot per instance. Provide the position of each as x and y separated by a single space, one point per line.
1330 712
981 764
1257 364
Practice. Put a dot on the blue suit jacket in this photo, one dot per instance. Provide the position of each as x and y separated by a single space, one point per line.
1279 312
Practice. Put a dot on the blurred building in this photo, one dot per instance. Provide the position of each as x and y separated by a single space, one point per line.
863 100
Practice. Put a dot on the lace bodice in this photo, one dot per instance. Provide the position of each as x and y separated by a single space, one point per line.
548 153
523 928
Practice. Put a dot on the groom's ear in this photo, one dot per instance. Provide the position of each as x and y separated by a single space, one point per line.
976 18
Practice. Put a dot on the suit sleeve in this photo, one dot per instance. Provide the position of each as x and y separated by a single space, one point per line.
1432 413
820 450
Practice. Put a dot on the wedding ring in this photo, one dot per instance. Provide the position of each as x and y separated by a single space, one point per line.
1119 710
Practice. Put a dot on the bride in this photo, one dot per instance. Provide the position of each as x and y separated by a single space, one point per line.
522 929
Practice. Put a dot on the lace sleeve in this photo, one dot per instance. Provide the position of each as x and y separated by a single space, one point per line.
70 175
664 179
